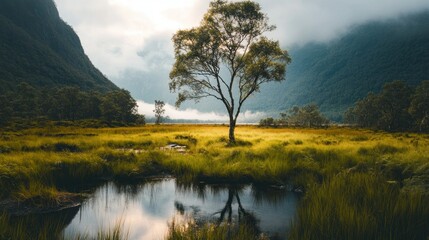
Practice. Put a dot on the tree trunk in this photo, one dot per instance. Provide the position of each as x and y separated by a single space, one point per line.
423 122
231 130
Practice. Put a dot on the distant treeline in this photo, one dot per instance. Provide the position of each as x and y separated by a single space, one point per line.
68 104
305 116
398 107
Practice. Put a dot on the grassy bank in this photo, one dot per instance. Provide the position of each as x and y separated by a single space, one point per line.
51 227
362 206
213 232
40 167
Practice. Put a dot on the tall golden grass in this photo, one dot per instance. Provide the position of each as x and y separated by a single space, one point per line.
46 162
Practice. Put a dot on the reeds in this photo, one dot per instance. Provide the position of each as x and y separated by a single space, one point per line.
51 227
371 184
362 206
209 231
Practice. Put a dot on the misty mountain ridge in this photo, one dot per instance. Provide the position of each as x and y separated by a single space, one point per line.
333 75
336 74
39 48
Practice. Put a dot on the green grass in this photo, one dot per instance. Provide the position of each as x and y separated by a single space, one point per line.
39 166
362 206
51 227
191 231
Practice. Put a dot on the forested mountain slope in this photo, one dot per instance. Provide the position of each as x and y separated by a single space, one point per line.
39 48
336 74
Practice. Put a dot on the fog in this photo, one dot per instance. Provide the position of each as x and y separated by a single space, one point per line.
193 114
130 40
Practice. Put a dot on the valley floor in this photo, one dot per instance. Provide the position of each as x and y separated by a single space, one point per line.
357 184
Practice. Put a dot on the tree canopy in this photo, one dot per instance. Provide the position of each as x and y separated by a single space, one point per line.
398 107
68 104
227 57
305 116
159 111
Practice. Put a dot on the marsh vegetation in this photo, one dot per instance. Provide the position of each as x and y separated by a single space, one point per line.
355 183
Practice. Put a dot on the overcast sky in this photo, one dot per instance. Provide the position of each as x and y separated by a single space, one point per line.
120 36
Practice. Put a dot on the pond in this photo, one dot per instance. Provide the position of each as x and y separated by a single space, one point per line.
147 209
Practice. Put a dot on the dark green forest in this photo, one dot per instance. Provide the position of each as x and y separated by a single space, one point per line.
39 48
398 107
305 116
45 74
334 75
32 105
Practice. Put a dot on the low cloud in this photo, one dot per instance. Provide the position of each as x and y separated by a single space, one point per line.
131 36
193 114
302 21
127 34
157 53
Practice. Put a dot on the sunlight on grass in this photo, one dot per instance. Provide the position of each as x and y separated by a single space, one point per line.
39 165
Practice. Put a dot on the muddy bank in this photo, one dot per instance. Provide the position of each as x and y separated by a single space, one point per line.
38 205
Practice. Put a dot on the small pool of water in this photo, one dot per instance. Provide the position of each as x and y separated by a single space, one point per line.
146 209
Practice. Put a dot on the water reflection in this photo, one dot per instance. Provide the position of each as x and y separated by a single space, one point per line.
36 226
146 209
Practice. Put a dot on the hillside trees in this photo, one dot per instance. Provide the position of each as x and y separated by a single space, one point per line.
336 74
119 106
419 106
25 101
227 57
39 48
397 107
5 110
68 104
393 103
305 116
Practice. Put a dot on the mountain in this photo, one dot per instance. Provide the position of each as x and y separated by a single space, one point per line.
336 74
39 48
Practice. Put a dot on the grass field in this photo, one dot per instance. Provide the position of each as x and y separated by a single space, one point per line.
358 184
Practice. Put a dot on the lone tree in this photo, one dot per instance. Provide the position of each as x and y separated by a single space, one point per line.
159 111
227 57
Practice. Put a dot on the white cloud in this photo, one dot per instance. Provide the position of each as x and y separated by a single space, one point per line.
193 114
123 36
114 31
302 21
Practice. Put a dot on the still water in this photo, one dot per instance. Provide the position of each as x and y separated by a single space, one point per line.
147 209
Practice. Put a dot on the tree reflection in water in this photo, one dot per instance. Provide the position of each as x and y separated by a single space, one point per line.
244 216
146 208
226 214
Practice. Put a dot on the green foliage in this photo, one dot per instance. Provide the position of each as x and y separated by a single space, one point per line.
267 122
69 104
306 116
397 108
45 73
229 39
159 111
419 107
119 106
